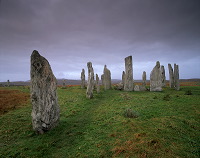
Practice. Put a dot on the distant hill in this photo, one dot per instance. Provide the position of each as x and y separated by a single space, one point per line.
78 82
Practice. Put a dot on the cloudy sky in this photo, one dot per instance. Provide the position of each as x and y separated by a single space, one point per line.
70 33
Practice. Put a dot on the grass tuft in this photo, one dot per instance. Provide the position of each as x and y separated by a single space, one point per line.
130 113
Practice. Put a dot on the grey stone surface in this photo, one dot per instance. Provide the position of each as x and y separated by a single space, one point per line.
102 79
119 86
106 78
139 88
90 85
97 83
128 84
83 85
155 78
171 76
144 78
45 109
123 79
8 83
64 82
163 78
176 77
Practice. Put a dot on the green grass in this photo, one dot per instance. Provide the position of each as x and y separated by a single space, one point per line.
168 126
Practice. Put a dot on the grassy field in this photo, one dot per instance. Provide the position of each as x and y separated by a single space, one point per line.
167 125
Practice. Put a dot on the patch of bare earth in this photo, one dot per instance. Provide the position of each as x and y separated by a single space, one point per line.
11 99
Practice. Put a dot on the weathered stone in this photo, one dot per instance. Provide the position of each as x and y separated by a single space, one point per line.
45 109
106 78
119 86
155 78
163 78
97 83
144 78
64 83
102 78
139 88
83 79
128 84
123 79
90 85
171 76
176 77
8 83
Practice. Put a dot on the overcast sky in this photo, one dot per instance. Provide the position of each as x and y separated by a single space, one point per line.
70 33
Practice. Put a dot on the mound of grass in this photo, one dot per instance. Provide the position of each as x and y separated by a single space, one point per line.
96 127
130 113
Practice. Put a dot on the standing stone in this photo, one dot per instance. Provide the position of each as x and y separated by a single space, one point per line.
45 109
106 78
90 85
144 78
83 78
155 78
128 85
171 76
8 83
64 83
137 88
123 78
176 77
102 78
163 78
97 83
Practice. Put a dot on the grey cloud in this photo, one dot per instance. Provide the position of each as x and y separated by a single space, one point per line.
102 31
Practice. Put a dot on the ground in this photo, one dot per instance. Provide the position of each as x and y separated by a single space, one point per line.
167 124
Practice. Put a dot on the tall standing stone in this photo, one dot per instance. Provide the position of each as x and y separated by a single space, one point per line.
64 83
45 109
163 78
123 78
144 78
128 85
106 78
97 83
90 85
8 83
176 77
171 76
102 79
83 78
155 78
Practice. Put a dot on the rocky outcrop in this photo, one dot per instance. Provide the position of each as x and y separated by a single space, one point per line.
45 109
